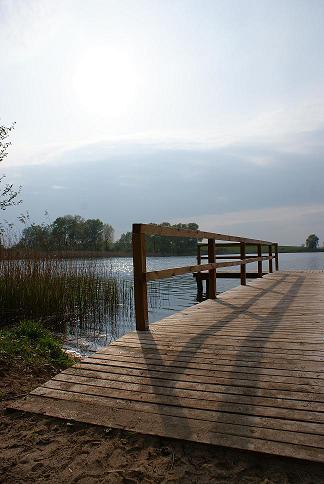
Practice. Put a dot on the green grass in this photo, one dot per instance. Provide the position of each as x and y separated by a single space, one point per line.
76 292
30 344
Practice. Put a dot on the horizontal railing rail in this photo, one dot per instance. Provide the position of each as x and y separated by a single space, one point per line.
142 276
151 229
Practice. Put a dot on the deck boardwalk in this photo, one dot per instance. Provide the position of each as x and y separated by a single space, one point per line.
245 370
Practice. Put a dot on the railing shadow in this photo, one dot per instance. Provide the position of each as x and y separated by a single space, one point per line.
286 300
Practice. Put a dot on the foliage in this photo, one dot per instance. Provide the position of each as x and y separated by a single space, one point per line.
70 232
312 241
33 345
124 244
74 233
8 194
160 245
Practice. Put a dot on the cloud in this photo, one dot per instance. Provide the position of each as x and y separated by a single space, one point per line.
220 188
285 213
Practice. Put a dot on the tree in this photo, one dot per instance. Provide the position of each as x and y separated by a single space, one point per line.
35 237
107 236
161 245
92 234
125 242
312 241
68 232
8 194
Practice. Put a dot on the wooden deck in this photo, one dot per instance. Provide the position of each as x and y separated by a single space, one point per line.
245 370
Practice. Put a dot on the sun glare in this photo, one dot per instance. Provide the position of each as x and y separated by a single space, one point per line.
107 81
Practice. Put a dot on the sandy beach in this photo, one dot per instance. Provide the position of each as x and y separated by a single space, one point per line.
38 449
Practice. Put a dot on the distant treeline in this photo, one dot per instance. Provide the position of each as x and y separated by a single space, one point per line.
157 245
293 248
72 233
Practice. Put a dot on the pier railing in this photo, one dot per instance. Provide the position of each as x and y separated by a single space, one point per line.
142 277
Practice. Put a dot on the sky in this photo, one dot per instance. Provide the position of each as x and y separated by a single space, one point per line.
167 110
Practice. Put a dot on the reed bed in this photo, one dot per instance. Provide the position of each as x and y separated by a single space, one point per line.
56 292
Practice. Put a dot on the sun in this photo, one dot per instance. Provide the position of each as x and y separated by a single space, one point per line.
107 81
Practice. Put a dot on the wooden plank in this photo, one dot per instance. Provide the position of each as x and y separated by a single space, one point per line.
289 409
311 439
227 275
261 410
223 346
178 271
211 341
227 370
147 379
165 410
222 378
201 375
245 366
257 335
218 352
169 358
175 427
151 229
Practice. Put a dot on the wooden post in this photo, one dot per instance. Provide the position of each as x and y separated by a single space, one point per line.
243 266
212 272
140 285
277 257
270 260
260 271
198 254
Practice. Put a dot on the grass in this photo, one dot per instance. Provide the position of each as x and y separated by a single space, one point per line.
29 344
57 291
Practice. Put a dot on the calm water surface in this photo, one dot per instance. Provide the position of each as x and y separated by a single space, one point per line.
165 296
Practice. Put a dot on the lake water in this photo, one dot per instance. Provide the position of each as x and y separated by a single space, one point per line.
165 296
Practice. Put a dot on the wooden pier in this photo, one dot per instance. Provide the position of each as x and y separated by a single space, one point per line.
243 370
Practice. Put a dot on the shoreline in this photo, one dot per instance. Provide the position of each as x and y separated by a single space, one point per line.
12 254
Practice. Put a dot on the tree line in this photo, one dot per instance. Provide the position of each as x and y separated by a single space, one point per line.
73 232
70 232
161 245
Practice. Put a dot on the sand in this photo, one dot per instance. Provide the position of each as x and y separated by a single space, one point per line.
38 449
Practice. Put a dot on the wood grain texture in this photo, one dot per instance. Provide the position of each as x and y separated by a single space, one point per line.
245 370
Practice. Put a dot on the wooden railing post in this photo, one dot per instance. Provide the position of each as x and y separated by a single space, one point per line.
212 272
270 260
277 256
243 266
198 254
140 285
260 270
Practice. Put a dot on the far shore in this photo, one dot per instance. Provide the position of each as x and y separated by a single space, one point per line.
14 253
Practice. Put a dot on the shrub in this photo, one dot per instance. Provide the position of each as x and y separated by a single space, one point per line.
33 345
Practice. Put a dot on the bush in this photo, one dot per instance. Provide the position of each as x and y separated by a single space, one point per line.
33 345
